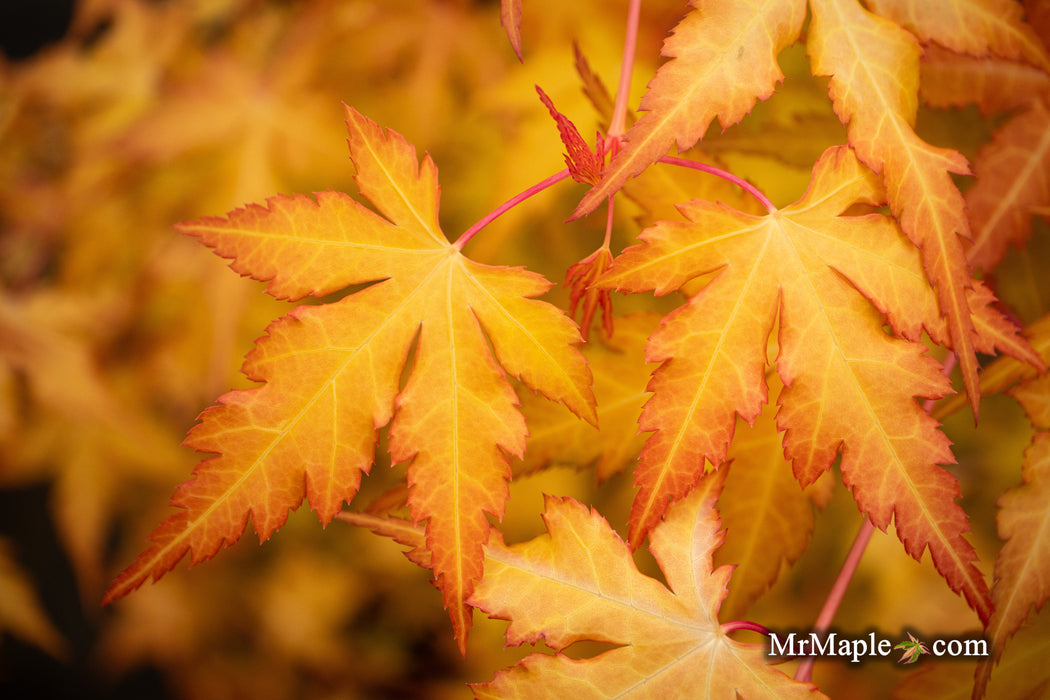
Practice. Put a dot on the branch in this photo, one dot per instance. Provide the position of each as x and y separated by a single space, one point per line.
725 175
507 206
617 126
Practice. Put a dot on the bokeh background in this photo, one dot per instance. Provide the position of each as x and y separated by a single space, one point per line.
119 118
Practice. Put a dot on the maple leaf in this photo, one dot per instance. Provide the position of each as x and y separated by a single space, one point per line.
510 18
658 190
913 649
849 385
976 27
767 516
723 59
580 279
874 69
1024 525
995 85
1013 178
620 375
668 638
332 371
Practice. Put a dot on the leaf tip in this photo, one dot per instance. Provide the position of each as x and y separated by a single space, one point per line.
510 19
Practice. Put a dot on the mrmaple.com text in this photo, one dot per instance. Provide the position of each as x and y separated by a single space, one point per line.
866 647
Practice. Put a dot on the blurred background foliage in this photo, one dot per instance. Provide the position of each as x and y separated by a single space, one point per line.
119 118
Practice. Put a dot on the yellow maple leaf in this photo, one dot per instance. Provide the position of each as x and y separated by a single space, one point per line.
579 582
332 372
768 517
974 27
723 59
874 67
620 375
1024 526
1013 178
850 386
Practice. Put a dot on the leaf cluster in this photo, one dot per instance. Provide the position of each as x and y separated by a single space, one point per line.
798 283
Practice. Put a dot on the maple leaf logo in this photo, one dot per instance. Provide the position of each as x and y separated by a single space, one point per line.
912 650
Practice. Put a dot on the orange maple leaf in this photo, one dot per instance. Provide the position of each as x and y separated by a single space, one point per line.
510 18
723 60
580 279
1013 178
668 638
983 28
849 386
332 371
995 85
1024 525
874 68
620 376
584 165
768 517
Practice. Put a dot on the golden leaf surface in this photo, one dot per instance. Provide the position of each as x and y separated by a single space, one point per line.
1013 178
1021 583
579 582
332 372
833 281
723 60
874 68
974 27
768 517
556 437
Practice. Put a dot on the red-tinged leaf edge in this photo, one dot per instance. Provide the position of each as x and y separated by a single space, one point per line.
404 532
510 19
585 166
